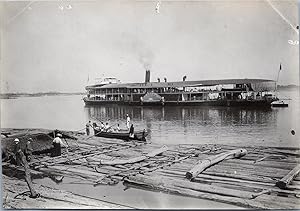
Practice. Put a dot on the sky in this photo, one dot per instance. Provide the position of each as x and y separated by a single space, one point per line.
63 45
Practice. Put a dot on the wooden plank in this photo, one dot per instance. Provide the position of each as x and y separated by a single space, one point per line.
288 178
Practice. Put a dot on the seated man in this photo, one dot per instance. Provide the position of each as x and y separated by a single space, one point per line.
102 126
107 127
118 128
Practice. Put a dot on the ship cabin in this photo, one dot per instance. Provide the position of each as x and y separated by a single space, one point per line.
207 92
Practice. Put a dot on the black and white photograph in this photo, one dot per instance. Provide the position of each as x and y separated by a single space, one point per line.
150 104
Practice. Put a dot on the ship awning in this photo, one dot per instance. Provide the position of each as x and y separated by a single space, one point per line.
181 84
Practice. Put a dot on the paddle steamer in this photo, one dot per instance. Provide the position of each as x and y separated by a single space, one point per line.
228 92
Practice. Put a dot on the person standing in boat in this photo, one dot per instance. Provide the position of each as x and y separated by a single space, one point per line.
57 144
131 131
87 128
127 121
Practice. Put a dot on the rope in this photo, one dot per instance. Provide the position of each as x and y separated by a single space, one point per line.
282 16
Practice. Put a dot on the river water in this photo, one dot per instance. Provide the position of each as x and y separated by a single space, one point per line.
166 125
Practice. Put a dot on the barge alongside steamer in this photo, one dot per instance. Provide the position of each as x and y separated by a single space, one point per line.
228 92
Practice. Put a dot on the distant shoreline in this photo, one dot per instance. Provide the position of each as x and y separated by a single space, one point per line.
40 94
283 87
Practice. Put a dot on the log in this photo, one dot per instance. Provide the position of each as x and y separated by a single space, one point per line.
204 164
288 178
27 175
262 201
268 156
166 187
233 184
135 159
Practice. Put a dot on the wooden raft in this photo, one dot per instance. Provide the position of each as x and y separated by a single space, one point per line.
248 181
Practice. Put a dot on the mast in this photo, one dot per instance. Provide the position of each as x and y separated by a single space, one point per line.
276 91
278 75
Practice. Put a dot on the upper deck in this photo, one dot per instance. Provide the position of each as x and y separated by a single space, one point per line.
256 84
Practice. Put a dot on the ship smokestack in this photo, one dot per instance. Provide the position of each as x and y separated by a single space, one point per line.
184 78
147 77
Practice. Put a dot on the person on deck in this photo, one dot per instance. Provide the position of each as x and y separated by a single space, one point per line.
57 144
87 128
102 126
28 150
118 128
131 131
106 127
127 121
95 126
17 150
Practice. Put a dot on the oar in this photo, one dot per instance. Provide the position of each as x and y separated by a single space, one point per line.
79 130
95 118
93 135
99 132
112 125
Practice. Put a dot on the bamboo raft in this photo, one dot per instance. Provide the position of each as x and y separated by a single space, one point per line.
258 177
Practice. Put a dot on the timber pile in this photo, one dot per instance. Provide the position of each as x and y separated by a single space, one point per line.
41 142
245 177
42 138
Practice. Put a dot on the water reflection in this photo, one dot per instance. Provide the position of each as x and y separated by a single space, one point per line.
205 115
176 124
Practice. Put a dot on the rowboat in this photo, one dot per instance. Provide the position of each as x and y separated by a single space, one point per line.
122 134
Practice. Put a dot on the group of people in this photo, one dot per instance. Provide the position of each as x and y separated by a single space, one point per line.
107 128
58 143
103 127
19 153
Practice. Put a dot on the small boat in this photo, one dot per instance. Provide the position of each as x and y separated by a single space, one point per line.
279 103
122 134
